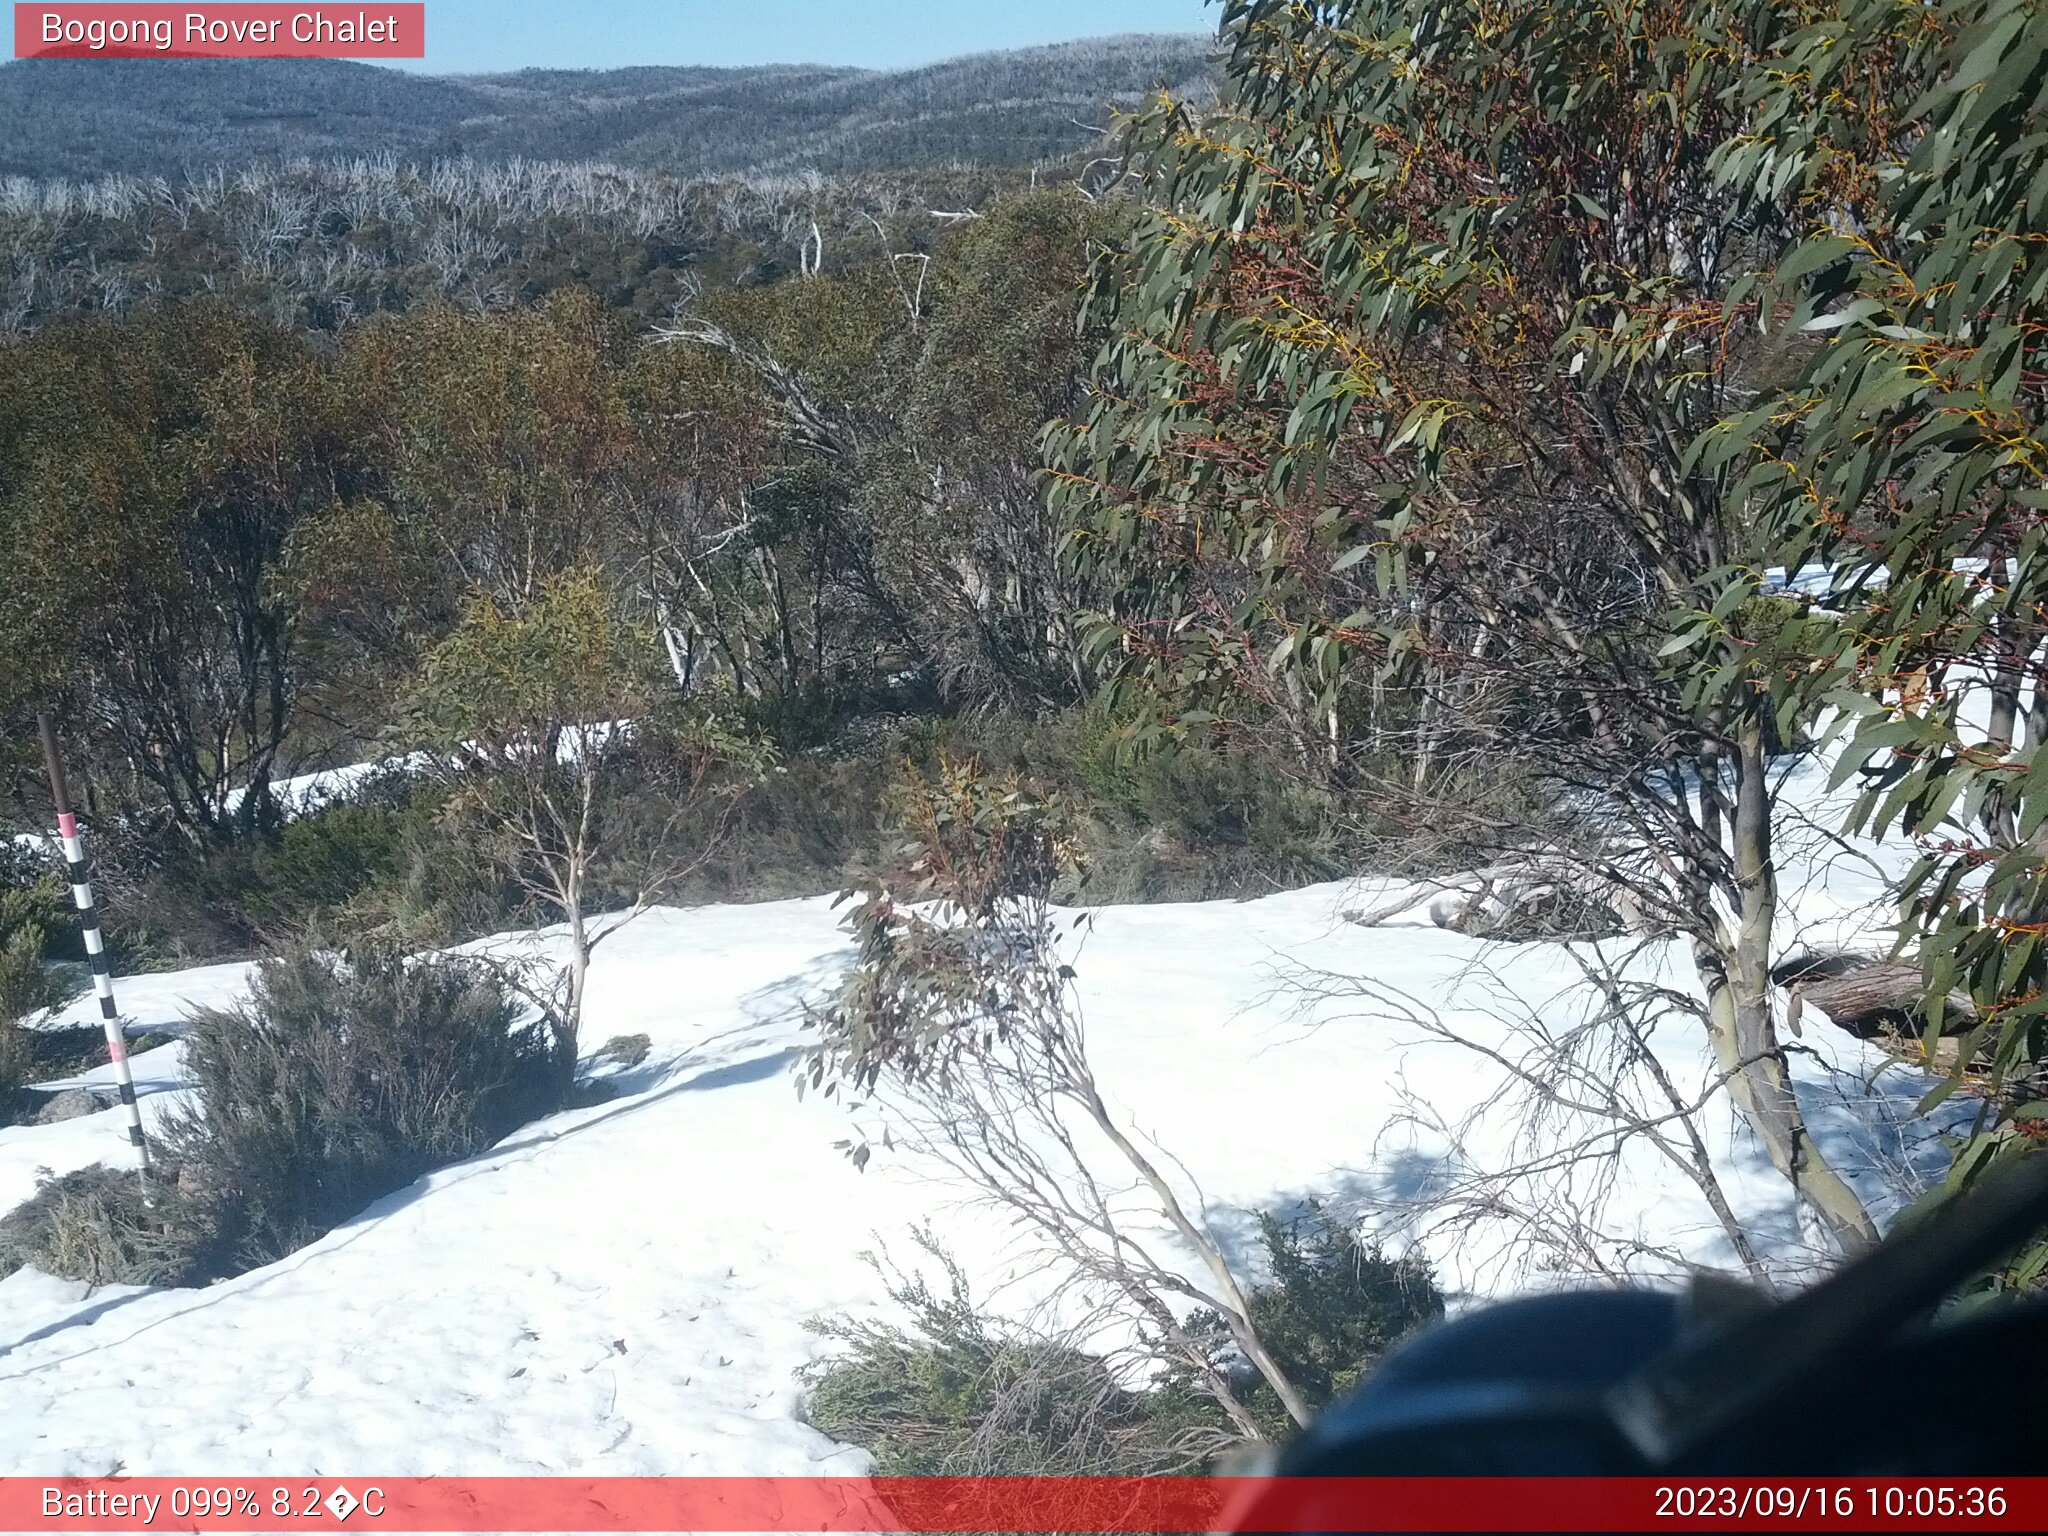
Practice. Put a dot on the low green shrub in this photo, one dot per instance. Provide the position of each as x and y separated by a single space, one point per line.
16 1063
1330 1307
958 1391
1207 823
30 984
1198 823
105 1227
1192 825
342 1079
325 861
803 826
447 888
1203 822
341 868
310 869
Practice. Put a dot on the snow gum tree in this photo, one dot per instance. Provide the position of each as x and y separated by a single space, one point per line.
1909 452
961 1022
549 729
1390 454
499 444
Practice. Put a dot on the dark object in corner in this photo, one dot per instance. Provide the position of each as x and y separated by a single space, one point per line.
1635 1382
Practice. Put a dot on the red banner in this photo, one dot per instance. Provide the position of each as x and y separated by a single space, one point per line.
359 31
1025 1504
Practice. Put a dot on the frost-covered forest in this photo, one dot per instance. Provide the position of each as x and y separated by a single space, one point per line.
88 119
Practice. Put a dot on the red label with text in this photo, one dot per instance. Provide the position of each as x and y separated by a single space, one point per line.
220 31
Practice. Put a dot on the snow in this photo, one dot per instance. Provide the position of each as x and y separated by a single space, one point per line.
33 1303
302 794
623 1289
1827 581
299 795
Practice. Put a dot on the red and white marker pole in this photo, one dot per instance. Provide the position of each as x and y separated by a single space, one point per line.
95 941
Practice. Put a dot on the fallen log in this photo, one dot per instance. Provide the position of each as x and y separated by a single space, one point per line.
1528 899
1867 995
1468 883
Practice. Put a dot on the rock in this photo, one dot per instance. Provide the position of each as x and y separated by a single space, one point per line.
72 1103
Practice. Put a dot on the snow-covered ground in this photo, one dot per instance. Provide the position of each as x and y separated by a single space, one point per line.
623 1289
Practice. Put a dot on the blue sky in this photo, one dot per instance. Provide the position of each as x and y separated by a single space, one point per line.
469 36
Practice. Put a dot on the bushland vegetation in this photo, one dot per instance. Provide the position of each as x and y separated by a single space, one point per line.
1467 375
959 1391
342 1078
801 521
1383 467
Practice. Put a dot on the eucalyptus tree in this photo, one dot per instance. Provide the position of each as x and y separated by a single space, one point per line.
1389 455
498 440
891 522
580 777
1910 453
152 477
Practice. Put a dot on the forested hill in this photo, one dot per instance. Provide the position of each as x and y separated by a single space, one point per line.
76 118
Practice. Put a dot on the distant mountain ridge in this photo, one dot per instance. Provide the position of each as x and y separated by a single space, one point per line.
152 117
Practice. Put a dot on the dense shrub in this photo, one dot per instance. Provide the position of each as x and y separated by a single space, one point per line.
343 1079
101 1225
805 827
1207 820
1208 823
384 864
29 984
389 864
959 1391
1332 1306
1202 822
16 1062
340 1080
447 888
339 867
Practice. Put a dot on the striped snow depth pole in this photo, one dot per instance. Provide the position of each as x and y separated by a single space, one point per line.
95 942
